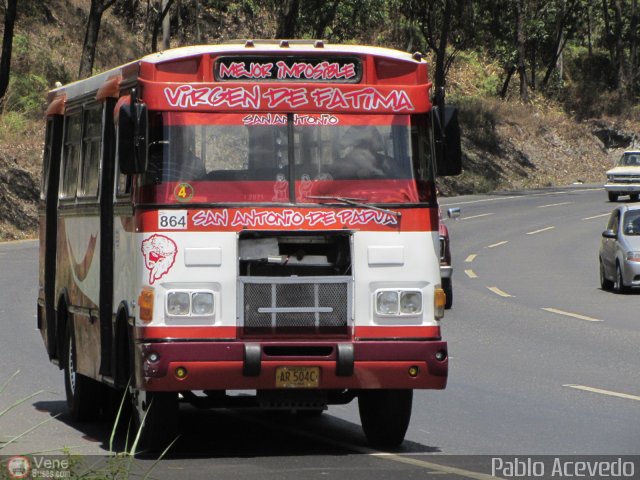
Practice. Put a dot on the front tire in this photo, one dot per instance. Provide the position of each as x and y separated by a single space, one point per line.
83 393
613 197
385 416
619 285
605 283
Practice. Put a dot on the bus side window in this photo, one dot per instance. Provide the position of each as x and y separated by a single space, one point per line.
71 157
91 153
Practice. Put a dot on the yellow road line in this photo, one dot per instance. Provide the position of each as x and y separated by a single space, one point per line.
497 291
555 204
498 244
604 392
470 258
597 216
541 230
471 274
569 314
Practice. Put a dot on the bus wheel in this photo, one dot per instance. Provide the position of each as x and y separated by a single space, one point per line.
83 393
385 415
155 419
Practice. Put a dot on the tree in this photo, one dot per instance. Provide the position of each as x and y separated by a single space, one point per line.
288 19
164 10
7 44
521 39
97 9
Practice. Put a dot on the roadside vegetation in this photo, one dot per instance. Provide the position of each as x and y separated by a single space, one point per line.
548 90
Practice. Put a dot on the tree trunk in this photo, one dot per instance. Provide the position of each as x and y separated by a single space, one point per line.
325 20
442 46
505 84
288 19
521 41
158 23
620 69
634 77
98 7
7 45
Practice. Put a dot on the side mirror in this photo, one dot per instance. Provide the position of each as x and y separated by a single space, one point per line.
447 136
453 213
132 138
609 234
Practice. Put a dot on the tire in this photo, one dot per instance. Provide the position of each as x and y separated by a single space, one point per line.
385 416
619 285
613 197
83 393
633 197
605 284
447 286
159 412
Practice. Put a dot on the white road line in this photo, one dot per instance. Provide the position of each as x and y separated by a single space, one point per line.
597 216
555 204
471 274
497 291
477 216
572 315
540 231
498 244
604 392
494 199
484 200
470 258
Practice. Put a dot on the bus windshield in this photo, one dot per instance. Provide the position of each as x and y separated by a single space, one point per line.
288 158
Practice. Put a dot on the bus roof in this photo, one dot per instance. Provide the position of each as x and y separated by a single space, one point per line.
130 73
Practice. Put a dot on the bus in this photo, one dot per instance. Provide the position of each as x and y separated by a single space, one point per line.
247 225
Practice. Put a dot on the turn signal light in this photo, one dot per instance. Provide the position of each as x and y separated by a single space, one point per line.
145 303
180 373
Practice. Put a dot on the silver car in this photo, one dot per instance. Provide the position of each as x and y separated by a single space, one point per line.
620 250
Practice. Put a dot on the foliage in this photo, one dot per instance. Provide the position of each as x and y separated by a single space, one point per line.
571 46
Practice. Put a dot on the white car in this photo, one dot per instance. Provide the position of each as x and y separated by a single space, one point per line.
624 178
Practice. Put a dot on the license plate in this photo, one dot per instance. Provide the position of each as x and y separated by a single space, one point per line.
297 377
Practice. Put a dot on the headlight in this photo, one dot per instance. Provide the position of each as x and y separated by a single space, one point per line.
411 303
633 256
398 302
202 303
387 302
178 303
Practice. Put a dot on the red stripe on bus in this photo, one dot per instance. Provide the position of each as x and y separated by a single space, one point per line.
280 218
171 332
397 332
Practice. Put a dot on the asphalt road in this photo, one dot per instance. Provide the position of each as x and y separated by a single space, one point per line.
542 362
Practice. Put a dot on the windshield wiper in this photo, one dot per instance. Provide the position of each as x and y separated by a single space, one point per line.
356 202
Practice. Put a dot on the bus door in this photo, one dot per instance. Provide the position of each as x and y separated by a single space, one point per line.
49 188
106 237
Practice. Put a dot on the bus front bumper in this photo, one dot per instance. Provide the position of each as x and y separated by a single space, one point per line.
188 366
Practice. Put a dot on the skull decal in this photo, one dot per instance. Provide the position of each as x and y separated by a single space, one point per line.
159 256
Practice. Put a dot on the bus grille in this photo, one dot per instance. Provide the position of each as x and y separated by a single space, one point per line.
300 305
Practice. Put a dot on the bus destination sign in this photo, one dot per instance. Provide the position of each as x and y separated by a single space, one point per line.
289 69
